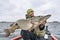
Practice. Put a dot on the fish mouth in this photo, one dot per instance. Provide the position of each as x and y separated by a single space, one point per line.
7 33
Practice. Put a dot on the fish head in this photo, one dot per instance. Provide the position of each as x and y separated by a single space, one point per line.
7 33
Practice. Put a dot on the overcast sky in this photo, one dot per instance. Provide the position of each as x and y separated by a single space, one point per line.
12 10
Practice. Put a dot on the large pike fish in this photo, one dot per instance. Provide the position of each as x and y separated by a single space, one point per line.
26 24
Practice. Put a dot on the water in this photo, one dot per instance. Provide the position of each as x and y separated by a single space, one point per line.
54 28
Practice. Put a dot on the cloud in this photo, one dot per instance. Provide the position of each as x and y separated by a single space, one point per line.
42 9
16 9
13 9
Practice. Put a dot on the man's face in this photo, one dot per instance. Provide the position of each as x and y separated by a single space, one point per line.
31 13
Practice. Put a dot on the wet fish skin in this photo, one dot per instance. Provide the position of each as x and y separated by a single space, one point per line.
27 24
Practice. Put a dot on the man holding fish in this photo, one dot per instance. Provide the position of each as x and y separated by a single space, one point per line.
39 31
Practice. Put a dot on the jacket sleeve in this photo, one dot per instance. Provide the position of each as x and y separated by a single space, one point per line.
26 16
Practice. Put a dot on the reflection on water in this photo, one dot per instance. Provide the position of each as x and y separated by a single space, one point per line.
54 28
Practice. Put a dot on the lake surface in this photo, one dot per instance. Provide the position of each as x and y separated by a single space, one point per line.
54 28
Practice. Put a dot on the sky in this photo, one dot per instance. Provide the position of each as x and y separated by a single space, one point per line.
12 10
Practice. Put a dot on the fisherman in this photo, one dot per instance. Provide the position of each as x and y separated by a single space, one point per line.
33 34
30 14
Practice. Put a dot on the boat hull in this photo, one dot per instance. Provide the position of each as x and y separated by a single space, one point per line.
51 37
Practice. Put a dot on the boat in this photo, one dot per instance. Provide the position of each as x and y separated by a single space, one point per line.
20 37
48 36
